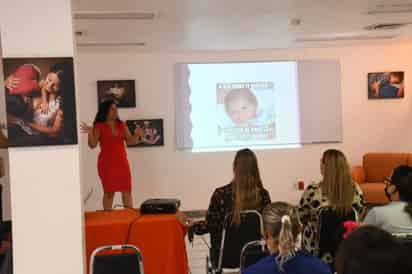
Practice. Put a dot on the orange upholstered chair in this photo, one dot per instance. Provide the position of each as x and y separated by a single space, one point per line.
375 167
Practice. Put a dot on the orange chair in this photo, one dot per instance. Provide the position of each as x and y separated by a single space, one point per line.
375 168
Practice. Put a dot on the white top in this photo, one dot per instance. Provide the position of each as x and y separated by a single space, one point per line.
391 217
47 119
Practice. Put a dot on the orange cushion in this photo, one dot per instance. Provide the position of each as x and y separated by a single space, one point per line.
374 193
377 166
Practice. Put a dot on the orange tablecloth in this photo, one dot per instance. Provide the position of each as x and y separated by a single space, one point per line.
160 238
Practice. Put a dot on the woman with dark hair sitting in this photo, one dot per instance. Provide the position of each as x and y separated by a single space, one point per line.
113 167
245 192
281 232
395 217
371 250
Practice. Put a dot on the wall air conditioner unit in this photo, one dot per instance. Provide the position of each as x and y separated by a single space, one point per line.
113 15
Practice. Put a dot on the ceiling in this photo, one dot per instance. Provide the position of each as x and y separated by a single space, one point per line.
240 24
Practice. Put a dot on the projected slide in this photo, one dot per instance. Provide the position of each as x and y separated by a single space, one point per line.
233 105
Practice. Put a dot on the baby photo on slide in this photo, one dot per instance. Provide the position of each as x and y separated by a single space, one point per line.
246 111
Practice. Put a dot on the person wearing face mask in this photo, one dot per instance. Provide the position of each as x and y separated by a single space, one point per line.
395 217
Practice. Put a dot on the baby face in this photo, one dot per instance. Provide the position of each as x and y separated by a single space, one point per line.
241 110
52 83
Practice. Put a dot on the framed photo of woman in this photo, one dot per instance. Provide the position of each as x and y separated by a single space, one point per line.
40 101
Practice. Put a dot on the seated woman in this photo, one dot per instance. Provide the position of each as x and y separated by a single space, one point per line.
281 232
371 250
395 217
336 190
244 192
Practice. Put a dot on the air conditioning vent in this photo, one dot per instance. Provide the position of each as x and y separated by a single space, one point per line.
358 37
391 26
103 15
389 8
111 44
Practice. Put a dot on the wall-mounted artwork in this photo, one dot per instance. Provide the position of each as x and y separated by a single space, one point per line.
123 92
150 131
384 85
40 101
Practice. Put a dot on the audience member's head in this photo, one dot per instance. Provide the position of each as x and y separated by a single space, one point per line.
337 183
370 250
246 183
281 227
399 186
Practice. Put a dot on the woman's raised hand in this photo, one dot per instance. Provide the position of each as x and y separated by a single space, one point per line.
85 128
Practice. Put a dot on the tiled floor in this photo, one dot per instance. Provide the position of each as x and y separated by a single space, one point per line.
198 250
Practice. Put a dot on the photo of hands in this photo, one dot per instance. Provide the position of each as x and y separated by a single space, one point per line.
123 92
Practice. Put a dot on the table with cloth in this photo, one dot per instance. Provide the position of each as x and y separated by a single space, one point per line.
160 238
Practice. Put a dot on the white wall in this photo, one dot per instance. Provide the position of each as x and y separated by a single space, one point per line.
45 182
375 125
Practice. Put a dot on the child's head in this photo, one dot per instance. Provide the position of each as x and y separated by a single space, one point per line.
241 105
396 77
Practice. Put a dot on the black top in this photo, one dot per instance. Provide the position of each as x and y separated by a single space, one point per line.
221 204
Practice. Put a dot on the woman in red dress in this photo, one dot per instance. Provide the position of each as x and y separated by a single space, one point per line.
113 166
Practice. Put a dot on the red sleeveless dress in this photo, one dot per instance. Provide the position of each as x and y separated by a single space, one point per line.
112 165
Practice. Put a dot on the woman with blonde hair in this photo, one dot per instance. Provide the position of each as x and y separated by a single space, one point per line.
336 190
244 192
282 228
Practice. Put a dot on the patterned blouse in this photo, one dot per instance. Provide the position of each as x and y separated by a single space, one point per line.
221 204
310 204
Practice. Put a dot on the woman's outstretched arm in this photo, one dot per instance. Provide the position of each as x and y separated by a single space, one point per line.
131 139
93 134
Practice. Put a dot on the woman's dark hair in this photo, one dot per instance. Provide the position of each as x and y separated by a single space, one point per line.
103 111
402 179
65 72
370 250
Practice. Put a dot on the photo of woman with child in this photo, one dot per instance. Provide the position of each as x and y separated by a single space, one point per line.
40 101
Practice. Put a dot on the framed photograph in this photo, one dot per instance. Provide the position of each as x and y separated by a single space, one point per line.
386 85
150 132
40 101
123 92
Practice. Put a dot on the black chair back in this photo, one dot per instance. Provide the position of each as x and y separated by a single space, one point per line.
127 261
405 239
331 229
235 237
251 253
